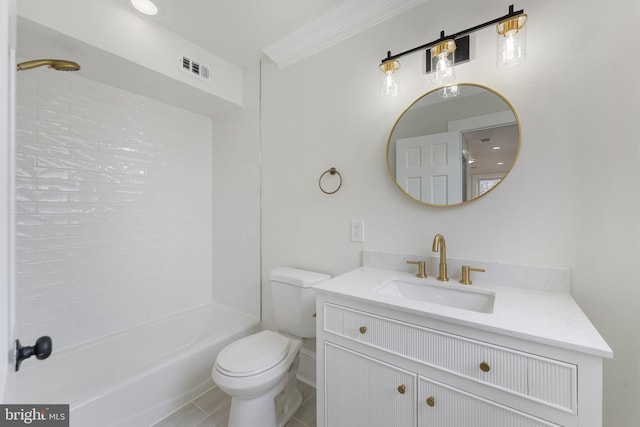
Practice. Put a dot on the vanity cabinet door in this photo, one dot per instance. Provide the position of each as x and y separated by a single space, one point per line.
440 405
364 392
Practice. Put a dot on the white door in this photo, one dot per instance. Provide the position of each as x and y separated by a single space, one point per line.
364 392
7 74
429 167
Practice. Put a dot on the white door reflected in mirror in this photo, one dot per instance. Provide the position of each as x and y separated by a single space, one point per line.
447 151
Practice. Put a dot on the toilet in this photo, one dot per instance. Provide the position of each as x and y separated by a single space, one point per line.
259 371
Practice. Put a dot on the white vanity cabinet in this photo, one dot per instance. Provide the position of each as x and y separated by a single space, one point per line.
363 391
381 367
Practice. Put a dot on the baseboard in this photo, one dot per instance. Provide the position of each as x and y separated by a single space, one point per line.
307 369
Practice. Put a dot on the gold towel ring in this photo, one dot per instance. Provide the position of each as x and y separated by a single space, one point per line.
332 171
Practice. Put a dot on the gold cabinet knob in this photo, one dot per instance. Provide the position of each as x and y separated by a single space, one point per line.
484 367
431 401
402 389
363 329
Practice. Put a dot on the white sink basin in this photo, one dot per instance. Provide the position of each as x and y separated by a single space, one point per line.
446 294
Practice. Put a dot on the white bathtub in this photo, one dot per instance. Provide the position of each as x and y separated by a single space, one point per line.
133 378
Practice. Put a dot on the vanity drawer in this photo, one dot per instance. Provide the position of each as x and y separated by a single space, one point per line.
545 380
440 404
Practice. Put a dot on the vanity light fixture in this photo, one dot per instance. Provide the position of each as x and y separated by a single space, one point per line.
145 6
442 59
441 53
389 85
512 40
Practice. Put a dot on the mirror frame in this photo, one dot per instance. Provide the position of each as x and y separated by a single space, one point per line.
515 158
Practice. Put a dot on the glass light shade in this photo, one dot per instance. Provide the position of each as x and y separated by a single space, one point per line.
389 82
512 41
145 6
449 91
442 60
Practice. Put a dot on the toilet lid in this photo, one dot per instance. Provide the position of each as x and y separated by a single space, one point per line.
253 354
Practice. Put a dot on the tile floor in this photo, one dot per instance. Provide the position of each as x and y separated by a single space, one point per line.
212 410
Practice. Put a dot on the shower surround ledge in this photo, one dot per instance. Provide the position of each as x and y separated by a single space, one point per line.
537 278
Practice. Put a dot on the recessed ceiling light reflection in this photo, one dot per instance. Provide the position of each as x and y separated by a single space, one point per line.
145 6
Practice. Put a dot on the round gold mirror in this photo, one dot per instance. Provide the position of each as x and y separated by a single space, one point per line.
448 150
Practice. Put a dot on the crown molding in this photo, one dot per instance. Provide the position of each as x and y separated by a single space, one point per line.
347 20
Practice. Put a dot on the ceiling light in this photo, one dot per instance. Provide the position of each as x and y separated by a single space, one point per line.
497 147
145 6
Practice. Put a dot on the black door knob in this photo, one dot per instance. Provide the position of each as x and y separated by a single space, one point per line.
41 349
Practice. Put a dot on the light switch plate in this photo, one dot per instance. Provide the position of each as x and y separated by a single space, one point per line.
357 230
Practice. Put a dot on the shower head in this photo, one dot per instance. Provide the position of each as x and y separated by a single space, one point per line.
56 64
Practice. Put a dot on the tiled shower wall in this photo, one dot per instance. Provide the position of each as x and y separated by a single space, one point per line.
114 206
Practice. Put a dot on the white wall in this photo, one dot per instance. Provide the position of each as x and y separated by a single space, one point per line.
113 212
570 201
236 202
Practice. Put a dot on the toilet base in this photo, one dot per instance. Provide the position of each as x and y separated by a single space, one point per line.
253 412
285 413
272 410
289 400
261 411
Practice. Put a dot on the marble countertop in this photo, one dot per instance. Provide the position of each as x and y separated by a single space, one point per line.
552 318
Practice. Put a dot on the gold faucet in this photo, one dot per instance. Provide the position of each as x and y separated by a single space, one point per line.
438 243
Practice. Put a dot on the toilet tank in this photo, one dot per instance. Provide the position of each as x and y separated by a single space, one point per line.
293 300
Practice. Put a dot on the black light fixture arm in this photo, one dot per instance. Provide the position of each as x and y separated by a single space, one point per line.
512 13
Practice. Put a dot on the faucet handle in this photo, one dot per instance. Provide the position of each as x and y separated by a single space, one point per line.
421 268
466 274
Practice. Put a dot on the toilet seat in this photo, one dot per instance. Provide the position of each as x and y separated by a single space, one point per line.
253 354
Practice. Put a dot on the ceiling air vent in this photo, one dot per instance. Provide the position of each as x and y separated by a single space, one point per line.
195 68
